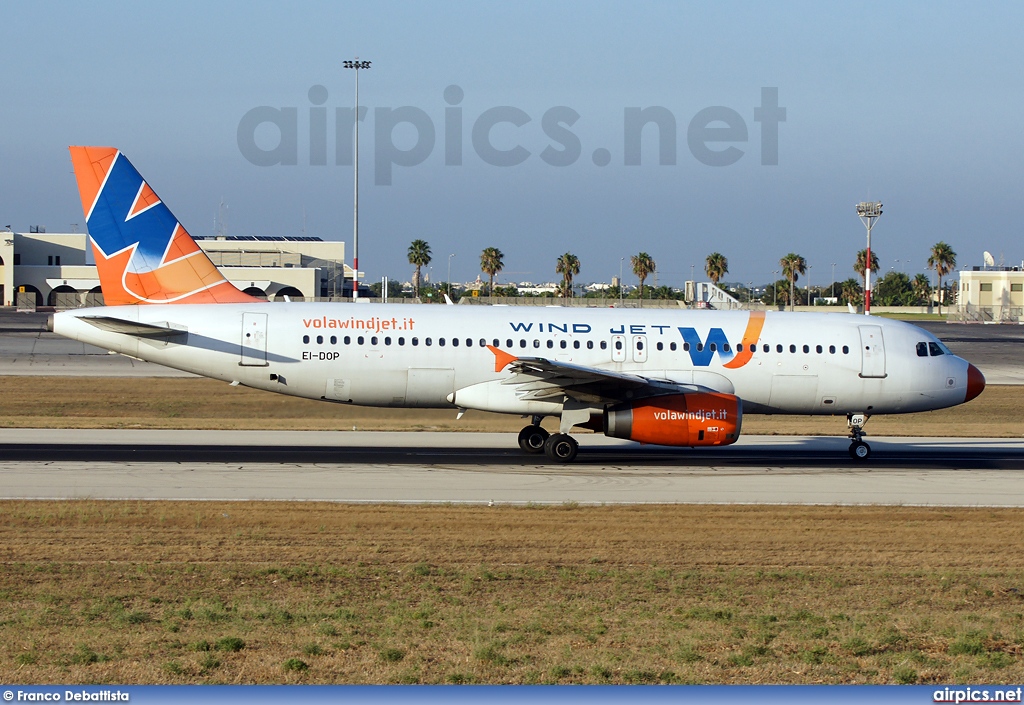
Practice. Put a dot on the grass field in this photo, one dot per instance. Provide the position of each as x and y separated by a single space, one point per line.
102 402
179 592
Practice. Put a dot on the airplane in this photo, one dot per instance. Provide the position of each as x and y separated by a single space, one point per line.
669 377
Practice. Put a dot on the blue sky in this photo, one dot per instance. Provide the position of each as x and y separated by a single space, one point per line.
917 104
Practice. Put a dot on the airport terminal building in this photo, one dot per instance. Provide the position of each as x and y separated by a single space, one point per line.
55 269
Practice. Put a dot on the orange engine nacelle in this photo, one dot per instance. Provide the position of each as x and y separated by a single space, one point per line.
698 419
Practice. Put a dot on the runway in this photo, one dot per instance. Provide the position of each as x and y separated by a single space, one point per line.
488 467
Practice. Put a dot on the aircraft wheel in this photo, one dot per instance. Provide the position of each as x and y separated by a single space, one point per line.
561 447
859 450
532 438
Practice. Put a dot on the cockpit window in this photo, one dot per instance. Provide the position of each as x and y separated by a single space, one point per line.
935 349
922 349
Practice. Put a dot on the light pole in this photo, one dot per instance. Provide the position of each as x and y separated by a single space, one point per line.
621 261
357 65
775 287
868 212
833 294
450 275
809 286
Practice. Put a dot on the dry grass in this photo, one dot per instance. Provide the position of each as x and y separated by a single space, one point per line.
153 592
99 402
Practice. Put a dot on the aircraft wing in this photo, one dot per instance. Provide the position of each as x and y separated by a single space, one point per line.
543 379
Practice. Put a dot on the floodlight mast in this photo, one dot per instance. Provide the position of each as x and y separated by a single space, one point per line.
868 212
357 64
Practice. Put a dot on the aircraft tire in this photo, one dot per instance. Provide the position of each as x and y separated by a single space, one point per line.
532 439
859 450
561 447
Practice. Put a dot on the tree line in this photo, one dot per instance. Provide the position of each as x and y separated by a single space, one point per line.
891 289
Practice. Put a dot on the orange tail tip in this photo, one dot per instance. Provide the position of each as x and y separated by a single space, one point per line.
143 254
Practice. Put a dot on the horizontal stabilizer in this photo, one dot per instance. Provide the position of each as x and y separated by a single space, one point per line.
139 330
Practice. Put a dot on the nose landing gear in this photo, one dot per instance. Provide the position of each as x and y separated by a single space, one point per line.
859 450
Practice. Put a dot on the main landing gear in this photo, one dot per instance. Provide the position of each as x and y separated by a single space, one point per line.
859 450
532 438
560 447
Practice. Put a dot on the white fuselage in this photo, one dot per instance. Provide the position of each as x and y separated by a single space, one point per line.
422 356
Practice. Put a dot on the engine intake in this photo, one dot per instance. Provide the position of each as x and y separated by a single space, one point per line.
698 419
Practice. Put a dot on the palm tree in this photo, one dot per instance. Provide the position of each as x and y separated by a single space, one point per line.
716 266
568 266
491 262
419 256
943 261
859 268
922 287
793 265
851 291
643 266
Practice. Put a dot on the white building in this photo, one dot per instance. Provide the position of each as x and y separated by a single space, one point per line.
56 269
992 294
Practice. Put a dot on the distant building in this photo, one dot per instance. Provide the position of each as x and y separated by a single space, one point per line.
55 269
992 294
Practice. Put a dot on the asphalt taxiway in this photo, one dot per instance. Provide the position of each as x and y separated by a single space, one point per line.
488 467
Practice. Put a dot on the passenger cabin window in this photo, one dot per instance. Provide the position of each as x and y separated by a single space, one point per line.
922 349
319 340
766 347
672 347
334 340
604 344
415 342
305 339
846 350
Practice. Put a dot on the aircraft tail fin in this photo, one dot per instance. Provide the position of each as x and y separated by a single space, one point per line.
143 254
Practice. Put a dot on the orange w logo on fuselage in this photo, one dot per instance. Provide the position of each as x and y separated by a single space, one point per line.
703 351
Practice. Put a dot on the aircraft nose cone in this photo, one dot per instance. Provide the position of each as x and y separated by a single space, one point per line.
975 382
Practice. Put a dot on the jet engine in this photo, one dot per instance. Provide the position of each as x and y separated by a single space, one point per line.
697 419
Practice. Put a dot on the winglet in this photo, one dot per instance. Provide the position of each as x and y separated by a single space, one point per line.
502 359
